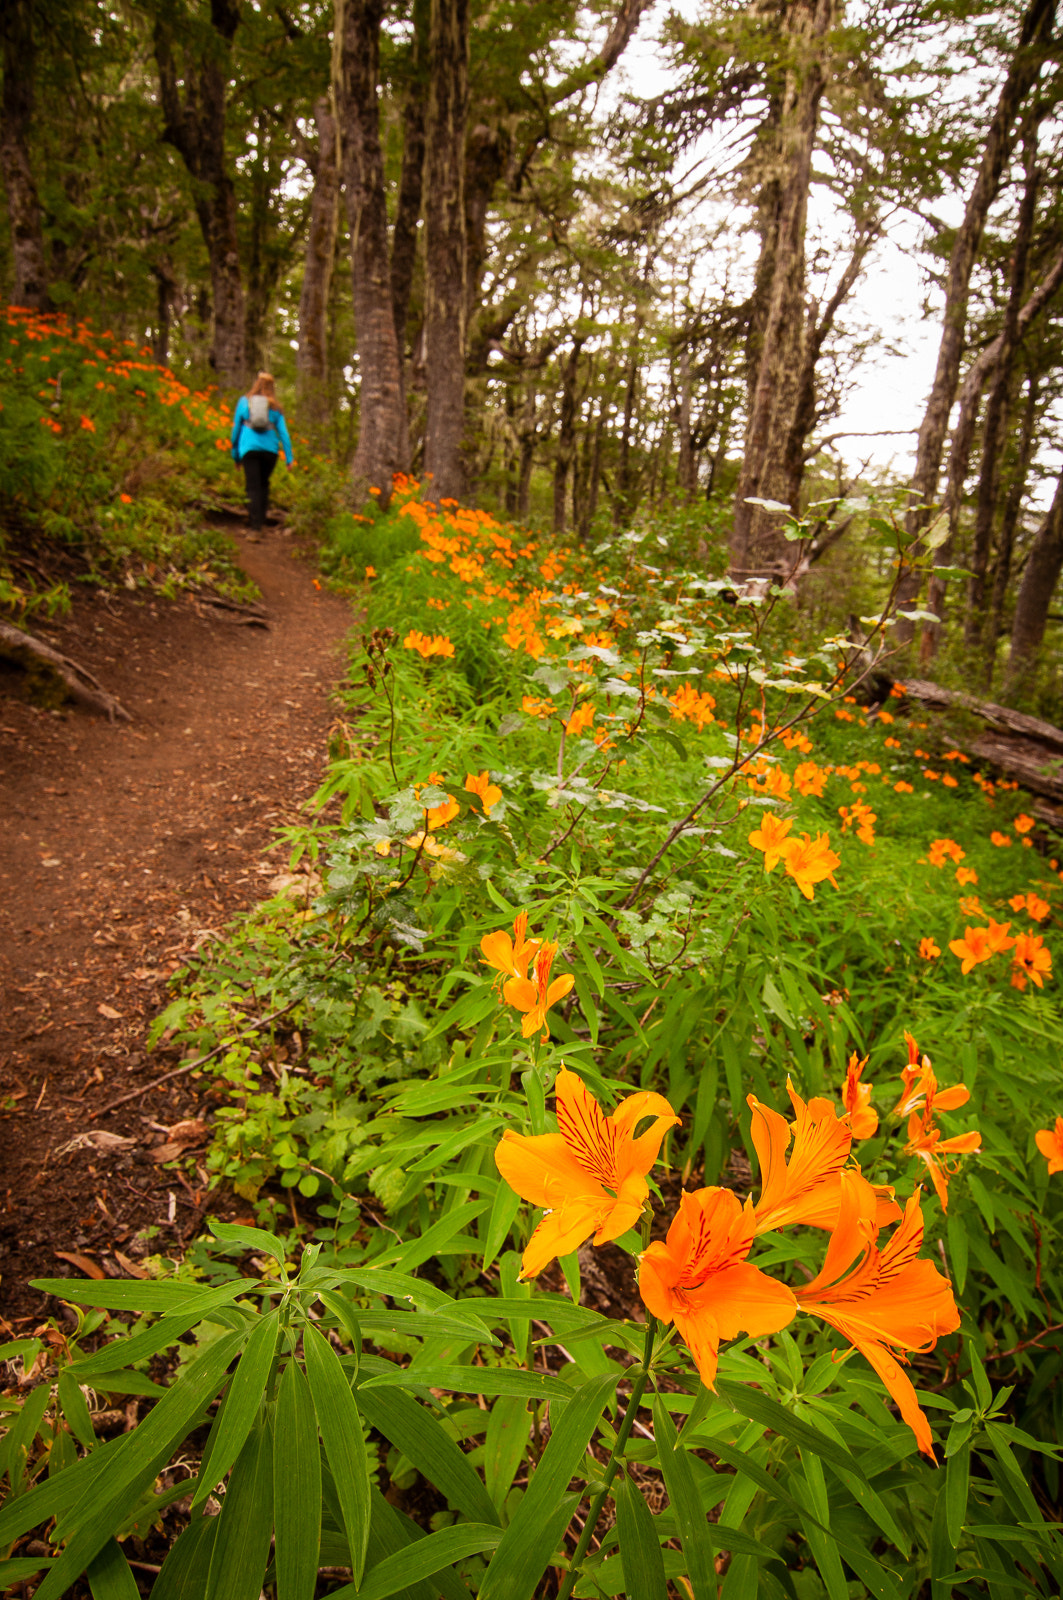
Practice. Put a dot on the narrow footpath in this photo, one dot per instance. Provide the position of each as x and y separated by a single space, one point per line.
123 848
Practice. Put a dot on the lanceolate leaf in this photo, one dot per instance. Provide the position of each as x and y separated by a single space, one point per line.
760 1407
241 1547
141 1455
643 1563
341 1430
538 1525
242 1400
473 1380
109 1575
693 1526
296 1487
186 1568
434 1453
421 1560
121 1294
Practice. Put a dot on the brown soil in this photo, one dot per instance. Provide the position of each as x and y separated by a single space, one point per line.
124 847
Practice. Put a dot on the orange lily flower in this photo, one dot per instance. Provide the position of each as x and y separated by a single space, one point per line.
770 837
1030 960
856 1097
972 948
924 1138
699 1279
889 1303
591 1175
809 861
997 937
480 784
510 957
1050 1144
928 950
806 1189
535 996
920 1086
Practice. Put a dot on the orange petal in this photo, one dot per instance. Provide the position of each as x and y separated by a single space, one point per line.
744 1300
542 1169
949 1099
700 1334
560 1232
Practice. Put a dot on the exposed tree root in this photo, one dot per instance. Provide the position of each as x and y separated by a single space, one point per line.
38 658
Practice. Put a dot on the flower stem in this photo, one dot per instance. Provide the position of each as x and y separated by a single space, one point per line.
612 1465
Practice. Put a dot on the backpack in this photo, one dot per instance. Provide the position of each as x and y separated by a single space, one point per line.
258 412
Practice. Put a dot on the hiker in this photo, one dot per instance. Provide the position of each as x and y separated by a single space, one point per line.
259 432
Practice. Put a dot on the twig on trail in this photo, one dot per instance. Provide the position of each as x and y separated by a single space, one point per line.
201 1061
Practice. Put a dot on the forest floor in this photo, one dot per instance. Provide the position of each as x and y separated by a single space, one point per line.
124 847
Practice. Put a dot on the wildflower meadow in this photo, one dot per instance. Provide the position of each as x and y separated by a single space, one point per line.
648 1127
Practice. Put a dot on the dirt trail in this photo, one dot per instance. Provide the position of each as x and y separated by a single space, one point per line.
122 848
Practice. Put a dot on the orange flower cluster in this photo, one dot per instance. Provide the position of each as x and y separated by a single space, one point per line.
435 645
1050 1144
942 850
920 1101
513 958
862 818
591 1178
808 861
692 705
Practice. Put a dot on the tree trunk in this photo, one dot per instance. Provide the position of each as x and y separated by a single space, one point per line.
566 436
1043 566
687 468
445 247
1036 28
624 495
1008 524
311 360
979 374
994 425
383 447
16 118
755 542
166 294
411 184
194 106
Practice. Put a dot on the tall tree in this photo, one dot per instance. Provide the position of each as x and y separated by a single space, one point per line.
311 362
194 98
383 442
445 253
1034 33
780 332
16 120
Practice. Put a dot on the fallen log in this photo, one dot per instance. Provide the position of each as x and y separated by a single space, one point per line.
33 655
1023 748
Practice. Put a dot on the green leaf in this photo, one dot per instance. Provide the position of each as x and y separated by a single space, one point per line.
505 1445
125 1383
241 1547
240 1407
16 1446
422 1559
341 1430
813 1490
237 1237
128 1470
760 1407
957 1478
346 1315
641 1551
958 1249
473 1380
147 1341
694 1529
109 1575
186 1568
422 1248
432 1450
504 1209
129 1294
296 1487
21 1567
75 1410
542 1516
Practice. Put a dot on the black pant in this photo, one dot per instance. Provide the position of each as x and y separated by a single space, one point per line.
258 464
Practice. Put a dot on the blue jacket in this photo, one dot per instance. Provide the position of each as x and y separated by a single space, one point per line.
245 438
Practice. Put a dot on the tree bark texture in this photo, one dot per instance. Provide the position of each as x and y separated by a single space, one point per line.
194 106
445 260
311 360
1040 576
16 120
566 436
994 424
1009 521
1036 28
383 447
776 387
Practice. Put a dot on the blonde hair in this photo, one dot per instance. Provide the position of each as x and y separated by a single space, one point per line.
264 384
